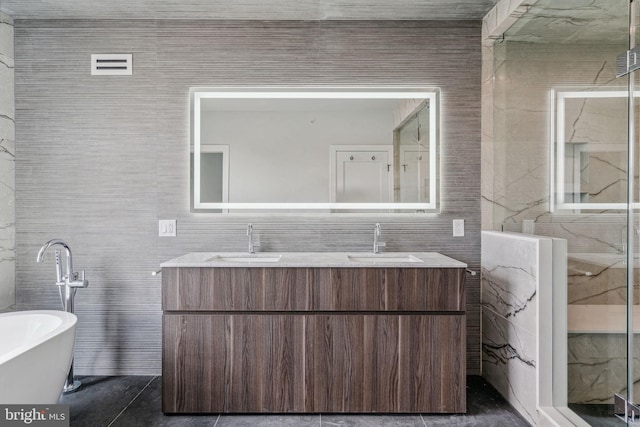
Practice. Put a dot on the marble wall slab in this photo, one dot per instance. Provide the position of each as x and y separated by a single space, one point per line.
597 367
7 165
600 279
518 76
514 267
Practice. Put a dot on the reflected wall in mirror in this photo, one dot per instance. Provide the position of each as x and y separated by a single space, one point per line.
591 150
317 150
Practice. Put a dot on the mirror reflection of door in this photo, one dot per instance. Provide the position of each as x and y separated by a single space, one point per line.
214 175
414 174
412 150
362 175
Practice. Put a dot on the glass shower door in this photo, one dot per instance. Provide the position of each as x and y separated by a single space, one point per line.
632 397
555 81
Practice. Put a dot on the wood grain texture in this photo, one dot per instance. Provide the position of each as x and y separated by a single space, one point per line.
432 374
425 289
125 145
349 289
383 363
196 363
324 361
317 289
239 289
233 363
313 363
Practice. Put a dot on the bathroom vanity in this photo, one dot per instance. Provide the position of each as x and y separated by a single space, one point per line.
313 332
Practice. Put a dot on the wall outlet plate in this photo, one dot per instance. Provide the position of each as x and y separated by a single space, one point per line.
458 228
167 228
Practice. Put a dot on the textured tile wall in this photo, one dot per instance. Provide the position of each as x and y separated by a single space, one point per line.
7 166
101 159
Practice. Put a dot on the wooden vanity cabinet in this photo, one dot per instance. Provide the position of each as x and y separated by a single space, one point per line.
294 340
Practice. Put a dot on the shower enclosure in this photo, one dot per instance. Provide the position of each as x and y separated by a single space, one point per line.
565 163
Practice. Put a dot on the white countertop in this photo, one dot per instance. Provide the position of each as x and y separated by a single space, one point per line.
315 259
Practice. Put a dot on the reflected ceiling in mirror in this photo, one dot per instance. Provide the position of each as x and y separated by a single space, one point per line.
317 150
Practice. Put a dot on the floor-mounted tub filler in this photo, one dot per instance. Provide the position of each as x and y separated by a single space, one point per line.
36 351
67 284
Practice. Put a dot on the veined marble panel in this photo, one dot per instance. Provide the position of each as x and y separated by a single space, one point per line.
523 76
7 165
508 362
509 277
598 367
514 268
599 279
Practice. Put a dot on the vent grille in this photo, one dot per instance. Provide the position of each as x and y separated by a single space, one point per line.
112 64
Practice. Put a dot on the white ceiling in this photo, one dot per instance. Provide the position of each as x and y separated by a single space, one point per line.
312 10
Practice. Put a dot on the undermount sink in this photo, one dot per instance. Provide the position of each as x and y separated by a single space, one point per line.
249 258
375 259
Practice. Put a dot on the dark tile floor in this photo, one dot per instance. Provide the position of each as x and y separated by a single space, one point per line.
597 415
134 401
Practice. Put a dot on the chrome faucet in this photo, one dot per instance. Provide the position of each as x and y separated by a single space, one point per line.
376 244
252 245
70 279
67 286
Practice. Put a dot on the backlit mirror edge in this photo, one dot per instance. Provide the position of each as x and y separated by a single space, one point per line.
432 94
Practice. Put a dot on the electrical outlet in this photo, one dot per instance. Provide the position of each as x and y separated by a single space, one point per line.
167 228
458 228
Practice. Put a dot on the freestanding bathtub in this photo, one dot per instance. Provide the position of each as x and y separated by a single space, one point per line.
36 350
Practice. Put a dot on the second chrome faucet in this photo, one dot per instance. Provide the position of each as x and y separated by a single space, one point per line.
376 235
252 245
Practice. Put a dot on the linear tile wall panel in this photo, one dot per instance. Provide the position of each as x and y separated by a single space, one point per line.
101 159
300 10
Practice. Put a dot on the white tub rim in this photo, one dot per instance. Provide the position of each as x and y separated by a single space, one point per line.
69 320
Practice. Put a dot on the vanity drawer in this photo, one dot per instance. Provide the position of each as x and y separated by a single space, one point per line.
389 289
236 289
313 289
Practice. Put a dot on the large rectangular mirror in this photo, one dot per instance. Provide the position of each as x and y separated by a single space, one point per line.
317 150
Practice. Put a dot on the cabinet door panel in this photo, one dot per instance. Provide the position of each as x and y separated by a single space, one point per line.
233 363
196 369
432 364
336 363
386 363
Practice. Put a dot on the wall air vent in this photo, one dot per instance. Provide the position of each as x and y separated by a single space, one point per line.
112 64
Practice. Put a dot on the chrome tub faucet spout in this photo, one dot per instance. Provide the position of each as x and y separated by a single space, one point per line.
68 284
71 279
